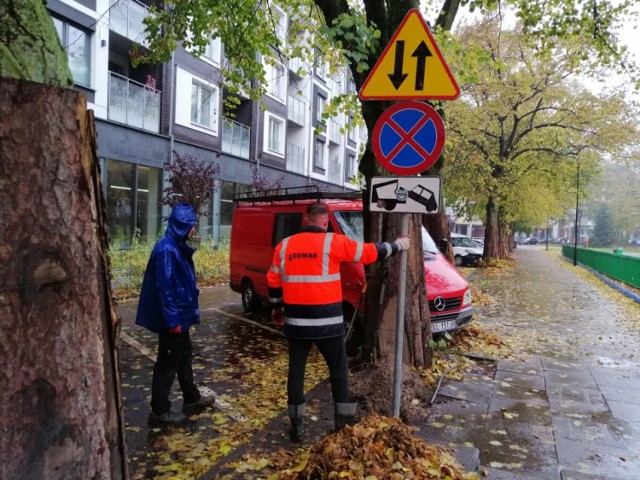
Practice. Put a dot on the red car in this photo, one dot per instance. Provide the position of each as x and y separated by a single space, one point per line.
448 292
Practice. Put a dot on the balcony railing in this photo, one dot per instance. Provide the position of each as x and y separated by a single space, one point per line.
334 173
236 138
296 110
125 18
334 132
133 103
296 161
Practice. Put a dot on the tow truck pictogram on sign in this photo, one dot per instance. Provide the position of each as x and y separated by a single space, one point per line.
405 194
411 66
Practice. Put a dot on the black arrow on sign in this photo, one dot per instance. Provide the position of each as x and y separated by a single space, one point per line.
397 77
421 53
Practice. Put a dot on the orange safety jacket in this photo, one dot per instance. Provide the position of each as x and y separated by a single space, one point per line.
305 277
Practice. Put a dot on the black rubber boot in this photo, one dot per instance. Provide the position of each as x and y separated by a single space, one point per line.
296 416
345 414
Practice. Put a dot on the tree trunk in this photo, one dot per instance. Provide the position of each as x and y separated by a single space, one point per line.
492 233
61 406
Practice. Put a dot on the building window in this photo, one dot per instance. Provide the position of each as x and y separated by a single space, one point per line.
351 131
274 138
77 42
277 81
212 51
280 21
204 100
349 167
321 101
318 156
134 201
319 66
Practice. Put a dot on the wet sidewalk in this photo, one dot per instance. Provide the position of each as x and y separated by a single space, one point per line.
567 407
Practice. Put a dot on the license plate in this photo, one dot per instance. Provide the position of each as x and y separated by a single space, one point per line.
437 327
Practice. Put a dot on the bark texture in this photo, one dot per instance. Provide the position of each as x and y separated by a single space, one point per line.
29 45
61 410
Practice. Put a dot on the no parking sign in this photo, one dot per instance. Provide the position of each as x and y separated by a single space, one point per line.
408 138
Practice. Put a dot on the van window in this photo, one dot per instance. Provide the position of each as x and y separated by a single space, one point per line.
285 225
351 223
462 242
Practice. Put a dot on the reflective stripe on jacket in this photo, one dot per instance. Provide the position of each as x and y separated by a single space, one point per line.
305 273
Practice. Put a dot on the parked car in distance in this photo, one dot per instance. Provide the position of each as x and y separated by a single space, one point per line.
465 252
530 241
479 241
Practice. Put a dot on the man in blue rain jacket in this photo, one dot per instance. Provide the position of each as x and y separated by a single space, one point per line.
168 306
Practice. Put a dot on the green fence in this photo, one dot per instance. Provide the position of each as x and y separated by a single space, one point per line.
618 266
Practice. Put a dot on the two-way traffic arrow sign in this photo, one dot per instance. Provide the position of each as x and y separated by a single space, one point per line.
411 67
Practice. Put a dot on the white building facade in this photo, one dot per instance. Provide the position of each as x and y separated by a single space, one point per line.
144 114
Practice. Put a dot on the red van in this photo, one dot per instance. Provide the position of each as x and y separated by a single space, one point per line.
261 221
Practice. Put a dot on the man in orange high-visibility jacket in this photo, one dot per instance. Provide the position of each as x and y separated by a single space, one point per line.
305 278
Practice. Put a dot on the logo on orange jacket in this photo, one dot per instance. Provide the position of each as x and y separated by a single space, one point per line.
303 256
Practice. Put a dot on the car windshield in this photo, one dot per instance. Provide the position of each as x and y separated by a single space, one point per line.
351 223
463 242
428 245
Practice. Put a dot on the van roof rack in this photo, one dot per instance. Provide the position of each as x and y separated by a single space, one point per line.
305 192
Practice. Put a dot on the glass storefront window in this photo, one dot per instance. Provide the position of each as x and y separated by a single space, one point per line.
149 217
132 205
120 200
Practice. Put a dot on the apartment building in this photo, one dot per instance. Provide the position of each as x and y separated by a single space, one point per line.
144 114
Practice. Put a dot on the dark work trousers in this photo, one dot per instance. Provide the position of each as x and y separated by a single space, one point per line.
334 353
174 356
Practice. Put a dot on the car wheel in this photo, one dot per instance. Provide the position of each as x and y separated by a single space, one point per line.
250 301
458 260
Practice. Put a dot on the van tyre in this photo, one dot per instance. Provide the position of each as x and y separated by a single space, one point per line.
250 301
458 260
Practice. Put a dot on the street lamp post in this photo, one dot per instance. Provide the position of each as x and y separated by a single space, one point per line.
576 230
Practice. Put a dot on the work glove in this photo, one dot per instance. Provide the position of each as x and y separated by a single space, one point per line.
402 243
176 330
277 317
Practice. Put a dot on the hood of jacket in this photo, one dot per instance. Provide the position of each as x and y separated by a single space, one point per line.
182 218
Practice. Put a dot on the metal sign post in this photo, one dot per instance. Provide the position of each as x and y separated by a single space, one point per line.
397 367
408 138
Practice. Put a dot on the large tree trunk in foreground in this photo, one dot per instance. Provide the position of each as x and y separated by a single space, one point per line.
61 410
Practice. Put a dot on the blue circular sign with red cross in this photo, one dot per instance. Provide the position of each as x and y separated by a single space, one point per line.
408 138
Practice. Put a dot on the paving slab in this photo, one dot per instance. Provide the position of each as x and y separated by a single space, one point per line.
525 366
603 430
579 377
597 459
478 393
521 380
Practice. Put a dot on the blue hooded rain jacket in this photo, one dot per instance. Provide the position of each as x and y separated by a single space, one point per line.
169 294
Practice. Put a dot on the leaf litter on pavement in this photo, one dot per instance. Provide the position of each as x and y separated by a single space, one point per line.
376 448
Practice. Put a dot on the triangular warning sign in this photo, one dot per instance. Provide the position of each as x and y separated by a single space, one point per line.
411 66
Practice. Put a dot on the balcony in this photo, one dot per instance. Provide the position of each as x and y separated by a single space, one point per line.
334 132
297 67
125 18
296 110
296 161
334 172
235 138
133 103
